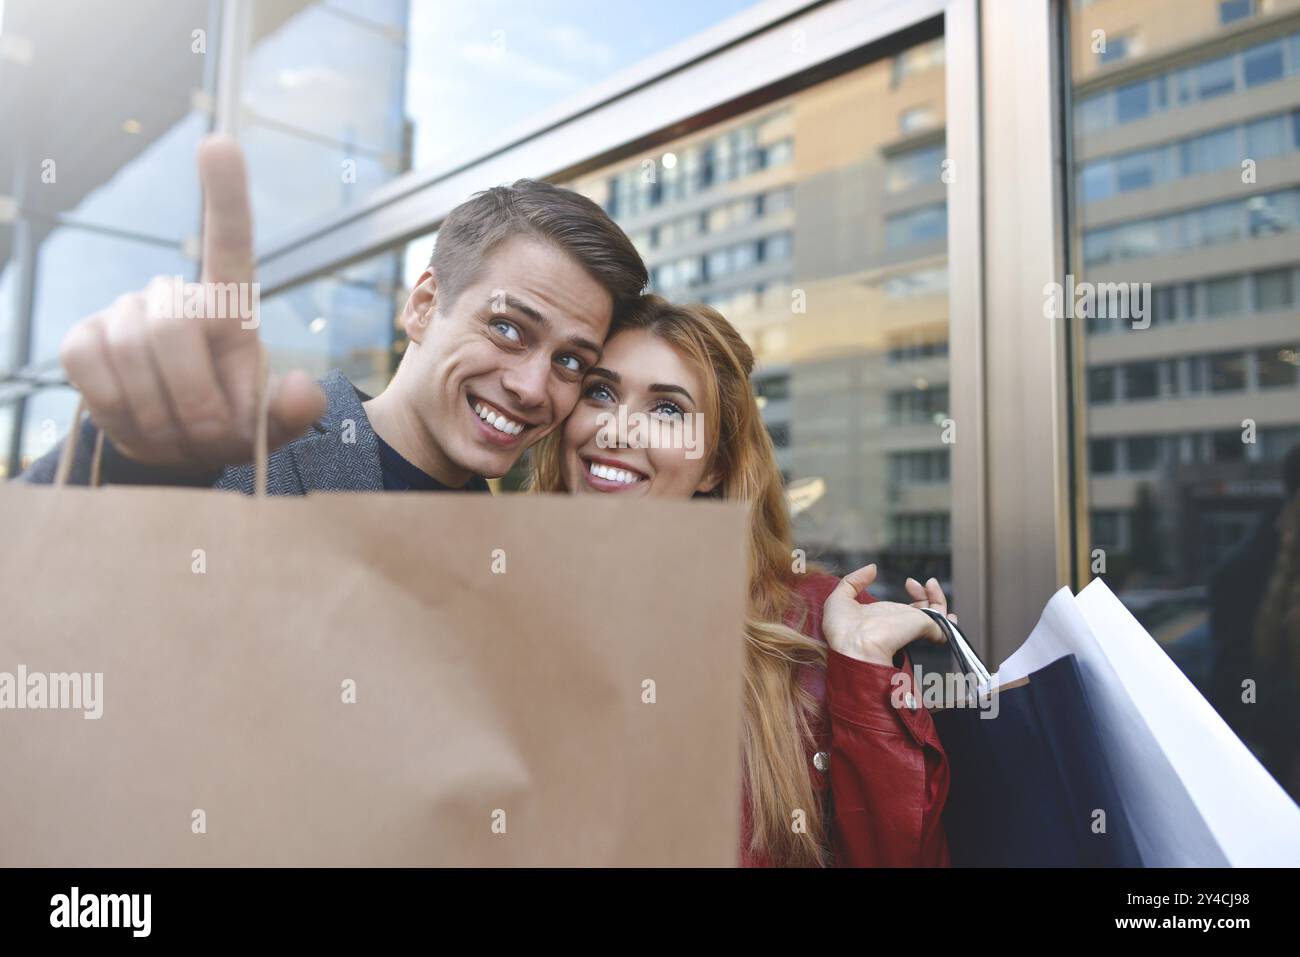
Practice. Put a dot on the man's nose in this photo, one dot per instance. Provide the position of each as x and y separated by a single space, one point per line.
527 379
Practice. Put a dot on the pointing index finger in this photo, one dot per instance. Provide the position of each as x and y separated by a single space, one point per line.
227 218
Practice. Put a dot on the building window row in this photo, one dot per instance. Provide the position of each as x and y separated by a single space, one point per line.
1216 150
678 176
1252 66
926 466
918 406
749 297
927 281
1266 214
716 219
921 530
1239 295
1138 454
918 350
925 224
1267 367
918 167
691 271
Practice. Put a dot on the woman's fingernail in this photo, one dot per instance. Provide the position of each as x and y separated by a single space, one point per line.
933 581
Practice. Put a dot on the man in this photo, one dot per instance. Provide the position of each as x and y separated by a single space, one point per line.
514 307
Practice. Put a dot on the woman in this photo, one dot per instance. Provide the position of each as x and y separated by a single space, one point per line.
834 774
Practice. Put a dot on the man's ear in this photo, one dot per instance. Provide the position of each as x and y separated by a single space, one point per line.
420 306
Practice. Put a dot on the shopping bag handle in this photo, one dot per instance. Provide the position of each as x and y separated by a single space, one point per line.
967 660
261 406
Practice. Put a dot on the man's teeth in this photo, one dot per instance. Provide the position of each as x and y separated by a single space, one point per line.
498 421
613 474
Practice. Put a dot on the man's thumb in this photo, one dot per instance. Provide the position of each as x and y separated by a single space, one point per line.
296 402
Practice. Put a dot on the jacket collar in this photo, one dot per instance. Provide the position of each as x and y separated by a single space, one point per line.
340 454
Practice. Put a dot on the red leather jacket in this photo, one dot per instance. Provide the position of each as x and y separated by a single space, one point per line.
886 774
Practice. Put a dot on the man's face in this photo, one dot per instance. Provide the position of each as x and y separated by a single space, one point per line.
503 365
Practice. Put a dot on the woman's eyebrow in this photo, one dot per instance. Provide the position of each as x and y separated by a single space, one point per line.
660 387
604 373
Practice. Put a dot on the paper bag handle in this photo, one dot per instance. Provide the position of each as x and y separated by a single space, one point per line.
261 406
967 660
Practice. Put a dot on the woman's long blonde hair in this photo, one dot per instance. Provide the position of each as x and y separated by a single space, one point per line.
776 726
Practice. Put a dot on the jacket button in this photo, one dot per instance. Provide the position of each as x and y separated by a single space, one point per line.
821 760
910 701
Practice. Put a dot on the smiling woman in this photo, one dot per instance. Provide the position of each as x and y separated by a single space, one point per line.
833 772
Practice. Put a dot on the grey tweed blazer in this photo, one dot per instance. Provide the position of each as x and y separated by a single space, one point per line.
338 454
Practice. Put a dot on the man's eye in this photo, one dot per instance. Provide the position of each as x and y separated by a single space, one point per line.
572 363
668 410
506 329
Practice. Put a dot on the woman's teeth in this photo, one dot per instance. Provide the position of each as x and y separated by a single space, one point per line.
614 475
498 421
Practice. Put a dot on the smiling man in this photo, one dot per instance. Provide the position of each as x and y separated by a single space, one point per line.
514 307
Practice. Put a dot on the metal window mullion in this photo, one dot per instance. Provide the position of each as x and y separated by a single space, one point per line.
1036 490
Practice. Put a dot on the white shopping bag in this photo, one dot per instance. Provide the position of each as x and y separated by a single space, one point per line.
1193 792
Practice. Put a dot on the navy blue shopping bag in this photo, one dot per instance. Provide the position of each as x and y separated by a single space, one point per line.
1027 784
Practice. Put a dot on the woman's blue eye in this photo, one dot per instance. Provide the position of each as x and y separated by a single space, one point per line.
669 410
506 329
600 392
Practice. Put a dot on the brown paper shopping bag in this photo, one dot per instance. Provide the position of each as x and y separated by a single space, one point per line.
352 679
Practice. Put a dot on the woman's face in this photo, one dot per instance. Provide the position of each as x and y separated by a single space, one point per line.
652 381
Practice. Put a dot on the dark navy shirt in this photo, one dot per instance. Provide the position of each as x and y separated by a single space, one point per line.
401 476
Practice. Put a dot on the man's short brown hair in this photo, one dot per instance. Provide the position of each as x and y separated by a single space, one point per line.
528 207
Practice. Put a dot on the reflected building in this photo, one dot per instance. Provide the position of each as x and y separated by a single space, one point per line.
1187 163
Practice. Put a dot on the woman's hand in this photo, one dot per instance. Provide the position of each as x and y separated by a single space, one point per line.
929 595
875 633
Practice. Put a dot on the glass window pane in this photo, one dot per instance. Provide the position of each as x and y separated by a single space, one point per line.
1211 152
1216 77
104 265
1095 182
346 319
1224 297
1263 64
8 292
1141 380
1101 456
1094 113
1183 496
1164 305
1277 367
1227 372
1136 171
1267 137
1101 384
1274 290
6 437
1133 102
340 96
1143 453
1230 11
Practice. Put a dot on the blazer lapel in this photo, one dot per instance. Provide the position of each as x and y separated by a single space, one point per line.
339 457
